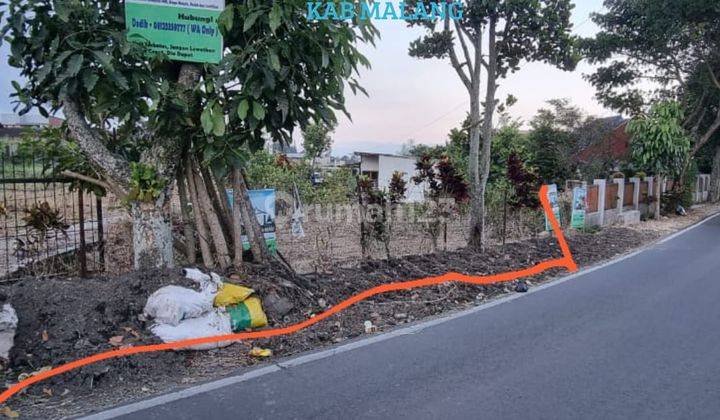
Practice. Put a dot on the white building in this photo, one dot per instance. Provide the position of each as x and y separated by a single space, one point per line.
380 168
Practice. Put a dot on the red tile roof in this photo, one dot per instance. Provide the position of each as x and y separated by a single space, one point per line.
615 146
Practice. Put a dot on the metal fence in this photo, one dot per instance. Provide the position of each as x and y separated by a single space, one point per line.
48 226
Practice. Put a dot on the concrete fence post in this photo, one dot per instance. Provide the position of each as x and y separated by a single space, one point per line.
601 200
636 192
620 194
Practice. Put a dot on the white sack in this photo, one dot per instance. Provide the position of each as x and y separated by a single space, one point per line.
216 322
172 304
8 324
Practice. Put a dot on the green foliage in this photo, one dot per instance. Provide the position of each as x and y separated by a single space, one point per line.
536 30
58 153
42 218
376 214
317 140
659 143
441 179
397 188
285 71
145 183
508 140
550 147
264 170
42 222
667 41
280 70
689 185
79 49
525 183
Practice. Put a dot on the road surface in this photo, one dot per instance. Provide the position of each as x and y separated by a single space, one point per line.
636 339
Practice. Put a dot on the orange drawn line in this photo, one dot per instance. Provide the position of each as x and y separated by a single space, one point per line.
566 261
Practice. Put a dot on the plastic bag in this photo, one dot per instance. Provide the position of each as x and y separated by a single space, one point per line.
209 283
172 304
215 322
247 314
232 294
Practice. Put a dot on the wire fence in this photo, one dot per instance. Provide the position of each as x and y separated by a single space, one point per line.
48 225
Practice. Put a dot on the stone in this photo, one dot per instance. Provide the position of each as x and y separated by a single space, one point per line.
277 306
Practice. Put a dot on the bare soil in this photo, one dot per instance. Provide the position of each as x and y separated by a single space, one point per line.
66 319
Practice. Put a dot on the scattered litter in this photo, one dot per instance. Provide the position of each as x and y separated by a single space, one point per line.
369 327
260 352
132 332
680 210
116 340
25 375
8 412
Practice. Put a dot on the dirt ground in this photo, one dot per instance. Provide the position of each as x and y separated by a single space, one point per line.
66 319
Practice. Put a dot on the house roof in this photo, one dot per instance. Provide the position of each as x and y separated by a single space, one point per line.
11 132
615 146
385 154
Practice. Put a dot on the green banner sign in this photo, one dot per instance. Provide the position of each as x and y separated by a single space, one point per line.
552 195
185 30
579 206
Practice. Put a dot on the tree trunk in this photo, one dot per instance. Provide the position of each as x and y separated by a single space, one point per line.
218 198
152 236
476 195
203 236
237 220
189 226
715 176
480 178
254 232
222 253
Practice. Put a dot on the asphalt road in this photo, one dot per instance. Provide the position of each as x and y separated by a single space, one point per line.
636 339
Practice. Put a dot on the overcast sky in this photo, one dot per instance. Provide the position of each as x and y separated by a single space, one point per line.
424 99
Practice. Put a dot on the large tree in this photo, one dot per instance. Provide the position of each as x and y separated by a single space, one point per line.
317 141
652 50
494 38
659 143
187 121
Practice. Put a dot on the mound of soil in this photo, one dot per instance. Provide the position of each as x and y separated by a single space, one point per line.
61 320
66 319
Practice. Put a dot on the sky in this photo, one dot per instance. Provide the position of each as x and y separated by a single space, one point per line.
423 99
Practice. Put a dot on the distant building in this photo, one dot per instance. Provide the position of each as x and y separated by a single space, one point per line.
612 150
379 167
13 126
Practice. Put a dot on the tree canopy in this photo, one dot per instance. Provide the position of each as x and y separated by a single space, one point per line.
653 50
513 31
279 70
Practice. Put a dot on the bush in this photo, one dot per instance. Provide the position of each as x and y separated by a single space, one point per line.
265 170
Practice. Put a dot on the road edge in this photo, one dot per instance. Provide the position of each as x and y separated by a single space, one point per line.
293 361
